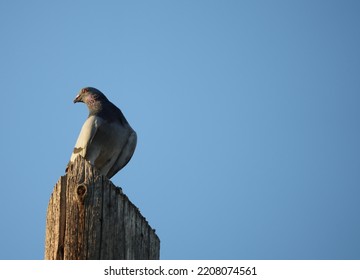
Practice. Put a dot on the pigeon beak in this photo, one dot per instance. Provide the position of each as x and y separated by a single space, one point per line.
78 98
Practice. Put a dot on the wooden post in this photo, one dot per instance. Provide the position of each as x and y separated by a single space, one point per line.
88 218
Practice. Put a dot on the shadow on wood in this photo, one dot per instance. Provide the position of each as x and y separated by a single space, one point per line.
88 218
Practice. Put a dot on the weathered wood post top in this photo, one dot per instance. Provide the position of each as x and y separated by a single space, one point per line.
90 218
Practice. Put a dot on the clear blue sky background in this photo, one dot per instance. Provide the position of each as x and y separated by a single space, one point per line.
247 114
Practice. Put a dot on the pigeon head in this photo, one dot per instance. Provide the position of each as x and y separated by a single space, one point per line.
92 97
89 94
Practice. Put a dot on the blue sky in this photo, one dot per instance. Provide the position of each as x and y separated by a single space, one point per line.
247 114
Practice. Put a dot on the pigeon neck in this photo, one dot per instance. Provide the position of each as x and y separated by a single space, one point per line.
94 106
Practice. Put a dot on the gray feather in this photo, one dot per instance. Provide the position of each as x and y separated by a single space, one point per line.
106 139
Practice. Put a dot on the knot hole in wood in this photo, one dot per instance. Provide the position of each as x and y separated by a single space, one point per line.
81 191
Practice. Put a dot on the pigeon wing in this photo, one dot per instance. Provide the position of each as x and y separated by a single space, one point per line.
86 136
125 154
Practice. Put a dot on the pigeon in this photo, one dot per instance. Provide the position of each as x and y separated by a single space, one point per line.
106 139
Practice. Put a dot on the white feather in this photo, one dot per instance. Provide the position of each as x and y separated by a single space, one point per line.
87 132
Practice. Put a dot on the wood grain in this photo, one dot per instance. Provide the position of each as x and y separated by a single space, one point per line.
88 218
